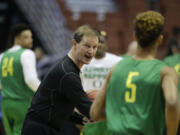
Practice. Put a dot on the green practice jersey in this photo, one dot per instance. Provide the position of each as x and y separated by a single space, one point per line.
134 102
12 78
174 61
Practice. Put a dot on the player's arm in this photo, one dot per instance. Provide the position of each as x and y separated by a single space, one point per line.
28 62
169 85
97 111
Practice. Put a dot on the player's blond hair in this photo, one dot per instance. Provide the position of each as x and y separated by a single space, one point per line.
148 27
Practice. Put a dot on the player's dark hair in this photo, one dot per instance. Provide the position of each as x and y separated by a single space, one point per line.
16 31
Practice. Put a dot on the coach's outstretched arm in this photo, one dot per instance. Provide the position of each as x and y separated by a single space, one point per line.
169 84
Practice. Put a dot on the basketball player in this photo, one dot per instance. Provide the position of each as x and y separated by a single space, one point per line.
18 79
174 61
95 73
140 93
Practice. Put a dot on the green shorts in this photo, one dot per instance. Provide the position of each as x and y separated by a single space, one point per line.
97 128
13 114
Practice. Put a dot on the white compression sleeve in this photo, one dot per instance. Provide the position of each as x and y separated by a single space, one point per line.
28 62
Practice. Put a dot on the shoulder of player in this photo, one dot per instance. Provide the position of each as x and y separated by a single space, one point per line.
28 52
1 55
113 56
158 63
169 71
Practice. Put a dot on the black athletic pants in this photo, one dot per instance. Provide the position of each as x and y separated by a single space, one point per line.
32 127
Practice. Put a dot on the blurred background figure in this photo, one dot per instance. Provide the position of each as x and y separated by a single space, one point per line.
94 74
40 54
42 62
18 78
131 50
174 43
154 5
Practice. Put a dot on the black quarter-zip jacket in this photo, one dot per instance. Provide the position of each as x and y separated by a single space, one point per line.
58 94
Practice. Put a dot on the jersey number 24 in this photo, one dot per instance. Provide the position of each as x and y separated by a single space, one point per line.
7 66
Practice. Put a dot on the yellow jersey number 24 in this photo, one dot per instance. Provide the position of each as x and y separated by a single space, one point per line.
130 95
7 66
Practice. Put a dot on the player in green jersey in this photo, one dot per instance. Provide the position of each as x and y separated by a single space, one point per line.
18 79
174 61
140 94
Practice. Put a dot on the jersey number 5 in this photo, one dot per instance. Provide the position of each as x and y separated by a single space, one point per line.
130 96
7 66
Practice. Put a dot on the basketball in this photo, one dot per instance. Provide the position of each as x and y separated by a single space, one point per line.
92 94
